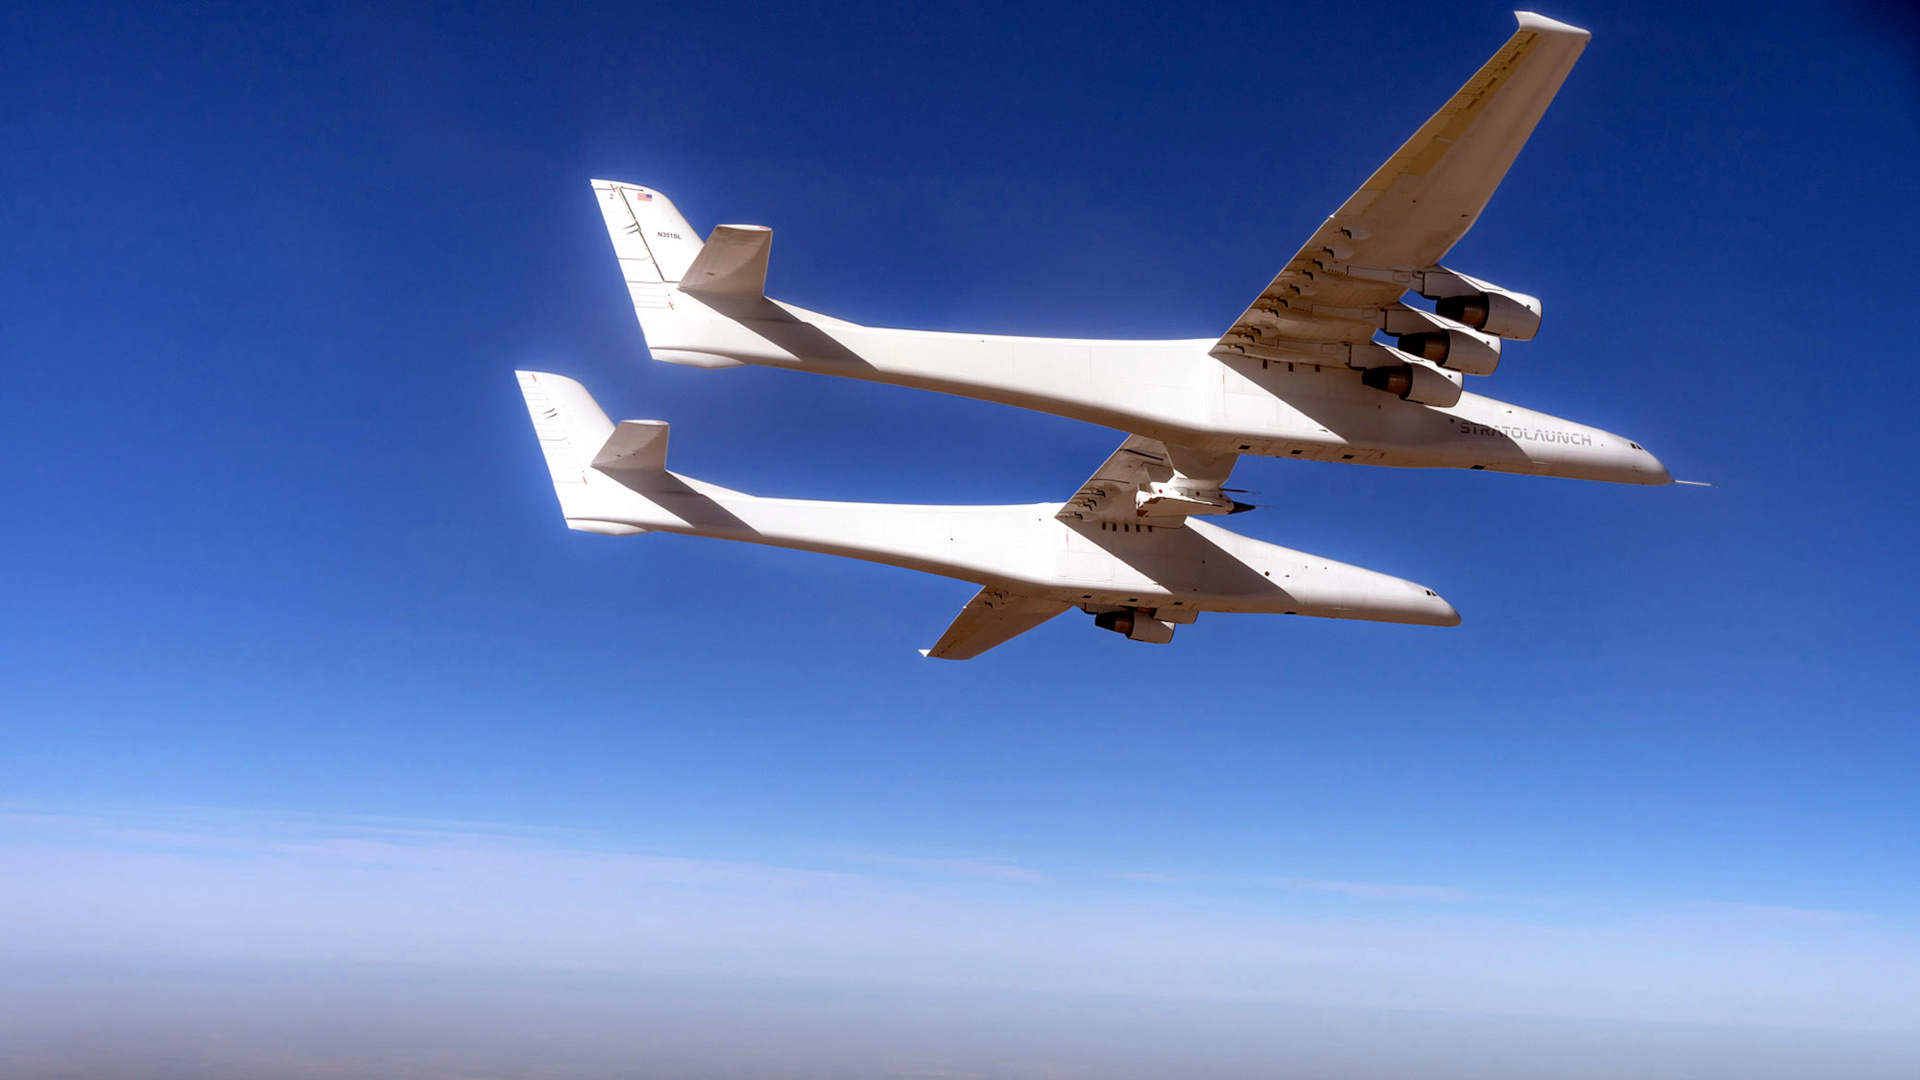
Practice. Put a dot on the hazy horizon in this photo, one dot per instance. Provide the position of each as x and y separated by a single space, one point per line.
161 1018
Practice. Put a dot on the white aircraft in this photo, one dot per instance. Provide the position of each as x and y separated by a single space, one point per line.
1125 548
1300 374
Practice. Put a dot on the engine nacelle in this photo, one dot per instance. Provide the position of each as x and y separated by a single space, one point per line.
1482 305
1502 314
1462 350
1136 624
1419 381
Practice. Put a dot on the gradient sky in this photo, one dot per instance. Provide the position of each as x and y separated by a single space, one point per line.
294 615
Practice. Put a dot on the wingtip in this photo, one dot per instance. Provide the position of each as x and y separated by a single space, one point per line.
1540 24
924 653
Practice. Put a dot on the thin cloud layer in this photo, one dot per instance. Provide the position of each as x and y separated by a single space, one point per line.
247 886
1373 890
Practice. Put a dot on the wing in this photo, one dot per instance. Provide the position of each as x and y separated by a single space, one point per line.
1150 482
1414 208
1144 483
992 617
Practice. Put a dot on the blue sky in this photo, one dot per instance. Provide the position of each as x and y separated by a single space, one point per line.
282 550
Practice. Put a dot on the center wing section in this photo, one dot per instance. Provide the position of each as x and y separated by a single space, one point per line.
1148 482
1381 243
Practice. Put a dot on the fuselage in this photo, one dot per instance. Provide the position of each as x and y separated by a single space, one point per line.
1175 391
1175 571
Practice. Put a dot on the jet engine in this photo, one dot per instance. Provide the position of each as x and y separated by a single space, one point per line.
1136 624
1502 314
1419 382
1461 350
1481 305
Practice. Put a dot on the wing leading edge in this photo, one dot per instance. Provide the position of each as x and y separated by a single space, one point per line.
1415 207
992 617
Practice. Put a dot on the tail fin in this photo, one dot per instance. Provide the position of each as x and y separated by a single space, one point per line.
654 243
655 246
574 436
660 253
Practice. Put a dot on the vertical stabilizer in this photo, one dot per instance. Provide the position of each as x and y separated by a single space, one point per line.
569 423
572 429
655 246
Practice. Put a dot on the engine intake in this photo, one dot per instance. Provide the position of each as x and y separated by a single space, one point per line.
1467 353
1136 624
1418 382
1481 305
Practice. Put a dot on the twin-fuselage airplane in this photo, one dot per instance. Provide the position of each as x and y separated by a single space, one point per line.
1329 363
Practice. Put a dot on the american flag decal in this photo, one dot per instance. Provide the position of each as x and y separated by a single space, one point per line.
644 196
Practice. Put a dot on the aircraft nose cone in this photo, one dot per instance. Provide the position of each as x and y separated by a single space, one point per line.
1627 463
1653 470
1631 463
1419 604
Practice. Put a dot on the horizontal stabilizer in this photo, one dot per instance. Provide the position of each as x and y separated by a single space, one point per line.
992 618
634 446
733 262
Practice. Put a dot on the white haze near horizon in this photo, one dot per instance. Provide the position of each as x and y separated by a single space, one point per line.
226 943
